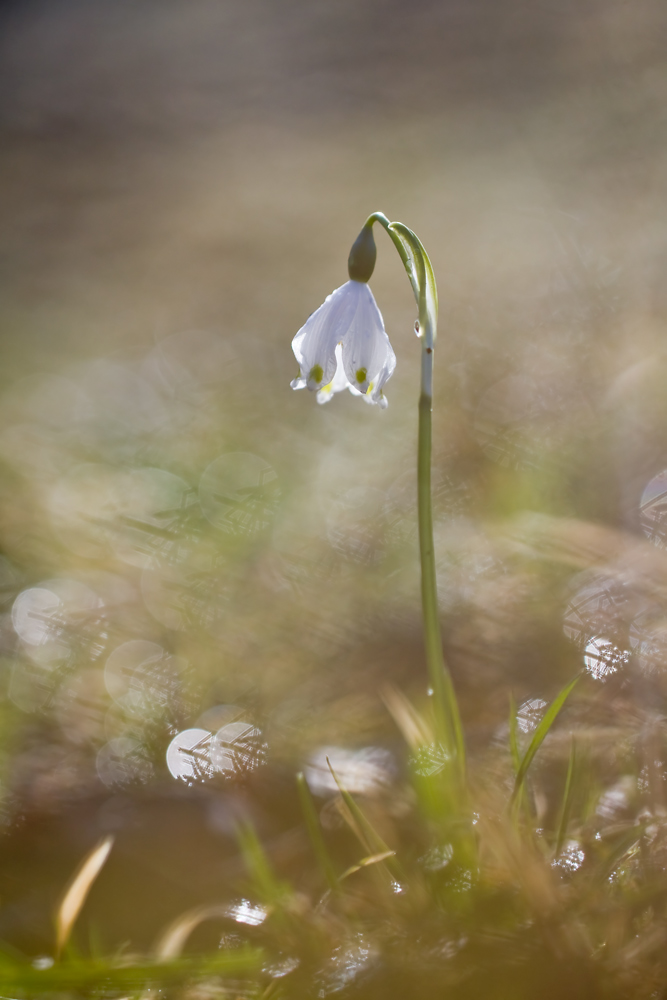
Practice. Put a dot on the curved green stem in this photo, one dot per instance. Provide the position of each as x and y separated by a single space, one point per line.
420 272
396 240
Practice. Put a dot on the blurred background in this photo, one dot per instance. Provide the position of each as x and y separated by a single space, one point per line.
208 580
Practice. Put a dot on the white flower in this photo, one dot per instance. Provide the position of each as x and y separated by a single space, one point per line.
343 345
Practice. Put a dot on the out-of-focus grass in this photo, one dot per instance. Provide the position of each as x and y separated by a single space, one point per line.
490 901
193 553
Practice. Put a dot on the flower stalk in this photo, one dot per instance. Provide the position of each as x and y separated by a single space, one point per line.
420 272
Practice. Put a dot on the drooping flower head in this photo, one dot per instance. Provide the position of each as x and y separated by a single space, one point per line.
343 344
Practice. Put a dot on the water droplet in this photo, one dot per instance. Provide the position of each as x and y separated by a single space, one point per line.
530 714
245 912
615 801
600 606
33 615
237 747
188 755
570 859
141 677
437 858
281 967
43 962
648 638
602 658
653 510
430 759
123 761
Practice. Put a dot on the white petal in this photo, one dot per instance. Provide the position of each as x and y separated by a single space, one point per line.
368 357
314 345
339 381
375 393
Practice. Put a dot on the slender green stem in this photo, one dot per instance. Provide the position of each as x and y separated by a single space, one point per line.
420 272
315 833
446 708
566 805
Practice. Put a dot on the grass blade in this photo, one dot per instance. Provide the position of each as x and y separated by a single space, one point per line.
566 807
172 940
375 859
272 892
360 825
414 728
514 735
76 893
515 753
539 736
87 977
315 832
